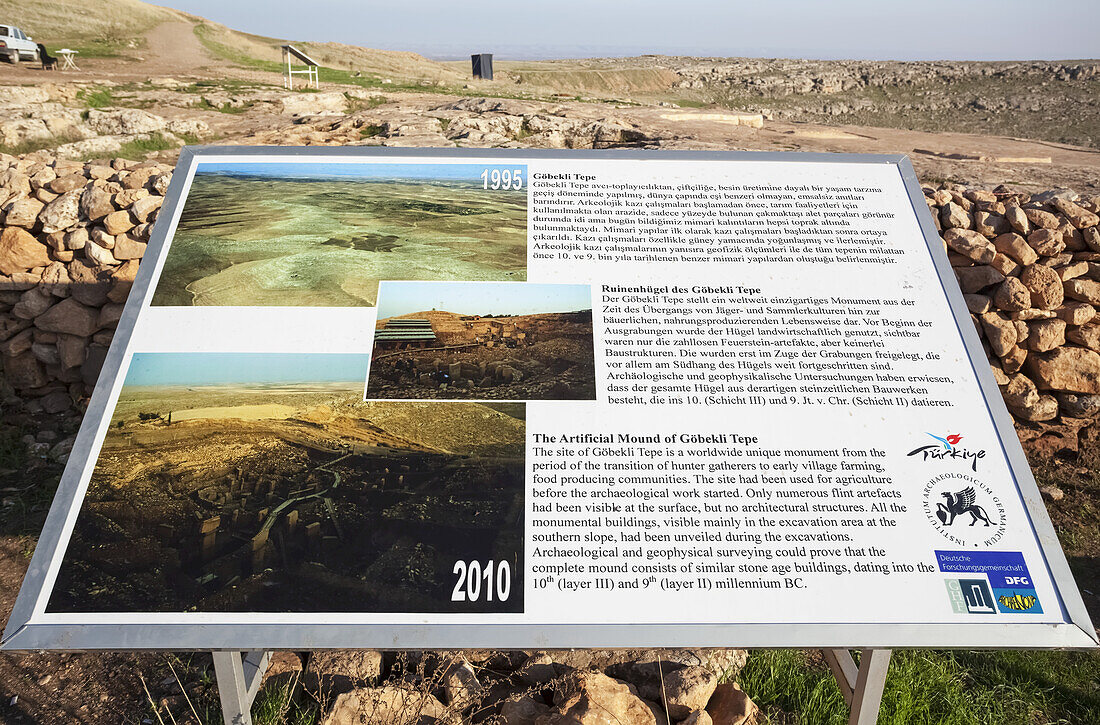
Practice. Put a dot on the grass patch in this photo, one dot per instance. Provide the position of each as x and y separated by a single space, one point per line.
953 687
79 21
227 107
190 139
96 97
345 77
280 704
12 450
139 147
370 131
27 485
690 103
30 146
781 683
363 104
228 85
113 43
523 132
206 36
103 48
937 180
120 96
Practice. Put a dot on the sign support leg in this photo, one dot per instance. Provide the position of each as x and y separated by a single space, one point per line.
239 675
861 686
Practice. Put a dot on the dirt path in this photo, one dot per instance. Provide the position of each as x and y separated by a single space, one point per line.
174 49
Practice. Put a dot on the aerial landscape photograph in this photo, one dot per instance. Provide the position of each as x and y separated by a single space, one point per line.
323 234
483 341
260 482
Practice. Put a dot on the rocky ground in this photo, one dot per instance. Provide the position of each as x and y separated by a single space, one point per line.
159 115
997 145
1052 101
551 359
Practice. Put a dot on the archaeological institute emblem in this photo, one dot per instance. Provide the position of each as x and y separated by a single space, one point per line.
964 509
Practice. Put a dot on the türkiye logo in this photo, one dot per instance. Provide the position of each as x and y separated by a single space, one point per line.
947 447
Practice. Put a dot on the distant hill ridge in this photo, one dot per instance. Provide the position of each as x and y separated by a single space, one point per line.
124 23
71 20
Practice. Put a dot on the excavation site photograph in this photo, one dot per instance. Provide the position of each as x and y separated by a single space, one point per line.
324 234
261 482
483 341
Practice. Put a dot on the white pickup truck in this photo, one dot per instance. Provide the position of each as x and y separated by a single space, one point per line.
15 45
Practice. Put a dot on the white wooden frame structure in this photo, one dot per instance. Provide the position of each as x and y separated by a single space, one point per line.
310 71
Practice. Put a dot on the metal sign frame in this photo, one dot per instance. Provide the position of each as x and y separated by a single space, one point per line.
30 630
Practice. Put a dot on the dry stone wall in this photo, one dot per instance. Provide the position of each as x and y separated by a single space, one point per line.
72 235
1029 269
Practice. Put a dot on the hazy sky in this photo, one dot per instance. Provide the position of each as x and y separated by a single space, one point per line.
481 298
863 29
325 170
214 368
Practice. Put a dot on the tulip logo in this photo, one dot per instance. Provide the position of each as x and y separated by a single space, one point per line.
949 442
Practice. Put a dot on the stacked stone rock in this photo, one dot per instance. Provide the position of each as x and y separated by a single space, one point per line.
71 237
581 687
1029 268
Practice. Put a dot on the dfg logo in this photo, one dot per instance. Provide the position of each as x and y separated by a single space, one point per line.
1019 581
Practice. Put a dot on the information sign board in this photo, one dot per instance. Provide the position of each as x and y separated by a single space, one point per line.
498 398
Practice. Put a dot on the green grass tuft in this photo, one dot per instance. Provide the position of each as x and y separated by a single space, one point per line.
360 104
138 148
282 704
953 687
49 142
12 450
96 97
27 486
690 103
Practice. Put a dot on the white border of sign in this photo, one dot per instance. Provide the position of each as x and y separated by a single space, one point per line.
30 628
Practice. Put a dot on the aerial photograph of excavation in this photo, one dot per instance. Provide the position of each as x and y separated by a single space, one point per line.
324 234
483 341
261 482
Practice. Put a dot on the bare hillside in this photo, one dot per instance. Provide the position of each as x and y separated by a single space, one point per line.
84 19
257 51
